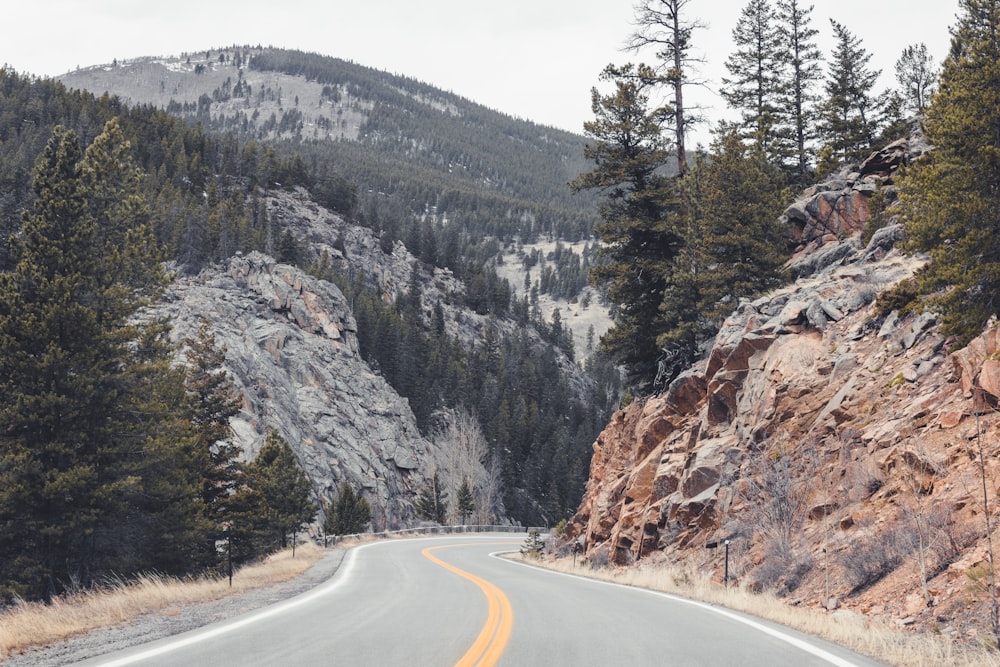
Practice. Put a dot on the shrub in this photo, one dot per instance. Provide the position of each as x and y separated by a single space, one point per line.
872 556
533 544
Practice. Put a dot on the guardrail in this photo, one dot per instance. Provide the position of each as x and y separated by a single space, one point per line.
437 530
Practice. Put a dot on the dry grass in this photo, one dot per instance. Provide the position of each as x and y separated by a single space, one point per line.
853 631
34 623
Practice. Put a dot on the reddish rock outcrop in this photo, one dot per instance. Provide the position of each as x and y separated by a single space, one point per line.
817 439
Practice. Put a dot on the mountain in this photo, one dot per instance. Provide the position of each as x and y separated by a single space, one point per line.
395 138
396 230
841 449
463 187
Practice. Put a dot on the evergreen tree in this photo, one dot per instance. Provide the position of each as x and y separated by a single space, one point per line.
950 199
283 489
211 401
167 527
638 215
465 501
350 514
916 73
756 77
804 71
743 239
852 113
431 504
533 545
64 339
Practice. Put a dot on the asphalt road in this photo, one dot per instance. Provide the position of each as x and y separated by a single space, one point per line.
445 601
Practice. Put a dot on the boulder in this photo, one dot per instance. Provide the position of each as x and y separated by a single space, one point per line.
886 161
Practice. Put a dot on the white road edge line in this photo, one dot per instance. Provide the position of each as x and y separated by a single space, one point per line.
195 636
777 634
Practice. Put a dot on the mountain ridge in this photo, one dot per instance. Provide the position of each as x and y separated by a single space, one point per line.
283 95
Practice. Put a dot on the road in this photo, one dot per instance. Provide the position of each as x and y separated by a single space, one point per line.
445 601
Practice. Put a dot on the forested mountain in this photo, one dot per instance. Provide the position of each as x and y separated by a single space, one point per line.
405 145
437 324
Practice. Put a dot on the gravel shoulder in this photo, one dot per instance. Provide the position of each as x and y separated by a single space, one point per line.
172 621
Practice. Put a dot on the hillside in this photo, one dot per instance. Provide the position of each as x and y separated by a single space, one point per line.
837 450
436 335
395 139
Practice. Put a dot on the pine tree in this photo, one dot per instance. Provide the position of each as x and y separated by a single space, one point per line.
431 504
743 239
211 401
797 97
756 76
465 501
81 271
533 545
852 114
168 528
683 325
283 489
916 73
349 515
950 199
638 215
662 25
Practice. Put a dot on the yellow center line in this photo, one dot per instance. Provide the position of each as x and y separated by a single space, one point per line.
492 639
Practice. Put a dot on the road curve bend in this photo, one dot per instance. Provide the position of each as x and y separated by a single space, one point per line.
444 601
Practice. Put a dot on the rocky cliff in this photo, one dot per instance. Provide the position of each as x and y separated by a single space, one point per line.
838 452
292 351
291 346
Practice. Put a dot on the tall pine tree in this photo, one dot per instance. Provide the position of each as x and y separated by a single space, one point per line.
211 401
797 96
64 343
852 113
664 25
638 215
756 76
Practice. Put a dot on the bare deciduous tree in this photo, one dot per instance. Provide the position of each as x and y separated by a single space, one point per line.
468 457
776 507
664 25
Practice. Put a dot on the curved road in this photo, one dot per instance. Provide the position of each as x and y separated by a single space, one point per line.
445 601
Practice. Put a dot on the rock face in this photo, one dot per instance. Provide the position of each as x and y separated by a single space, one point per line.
812 436
291 345
292 350
356 251
832 211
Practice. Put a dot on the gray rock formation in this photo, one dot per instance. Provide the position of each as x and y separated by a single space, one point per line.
292 350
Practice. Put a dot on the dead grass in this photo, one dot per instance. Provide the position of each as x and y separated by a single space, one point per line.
847 629
34 623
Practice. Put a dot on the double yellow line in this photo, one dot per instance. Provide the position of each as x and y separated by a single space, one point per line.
492 639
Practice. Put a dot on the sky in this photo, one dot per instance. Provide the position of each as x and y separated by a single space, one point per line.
532 59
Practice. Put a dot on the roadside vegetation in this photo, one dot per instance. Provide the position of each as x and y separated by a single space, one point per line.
844 628
27 624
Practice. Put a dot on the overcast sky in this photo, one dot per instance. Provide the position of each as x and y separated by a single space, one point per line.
533 59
